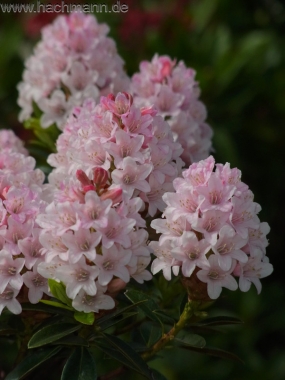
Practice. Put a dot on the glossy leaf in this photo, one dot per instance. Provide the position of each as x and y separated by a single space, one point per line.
104 322
150 333
148 307
31 362
157 375
124 353
214 352
85 318
72 340
118 319
45 308
219 321
56 304
59 291
80 366
192 340
51 333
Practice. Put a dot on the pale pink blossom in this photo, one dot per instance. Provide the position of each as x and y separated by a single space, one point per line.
78 276
132 176
99 301
216 278
8 299
191 253
113 263
10 269
37 285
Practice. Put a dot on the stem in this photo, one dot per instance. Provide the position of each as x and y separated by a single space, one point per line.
190 308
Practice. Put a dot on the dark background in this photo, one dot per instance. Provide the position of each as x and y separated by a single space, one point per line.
238 51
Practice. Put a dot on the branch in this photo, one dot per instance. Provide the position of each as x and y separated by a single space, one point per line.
190 308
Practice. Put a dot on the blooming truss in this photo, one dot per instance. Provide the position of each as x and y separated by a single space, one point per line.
211 226
173 90
73 61
81 247
22 199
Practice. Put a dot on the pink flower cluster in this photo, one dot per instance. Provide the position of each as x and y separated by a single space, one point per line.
114 161
21 199
211 223
93 238
172 89
134 145
9 141
73 61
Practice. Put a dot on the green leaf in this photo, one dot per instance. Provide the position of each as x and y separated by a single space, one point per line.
124 353
51 333
45 308
56 304
214 352
148 307
80 366
72 340
47 136
117 320
31 362
150 333
85 318
157 375
192 340
107 321
59 291
219 321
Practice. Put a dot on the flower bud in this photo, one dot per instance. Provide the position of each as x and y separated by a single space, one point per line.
82 177
100 177
89 188
114 194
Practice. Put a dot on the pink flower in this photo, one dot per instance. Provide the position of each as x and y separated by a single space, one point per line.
228 247
252 271
164 259
82 242
10 271
78 276
113 263
8 299
117 230
87 303
191 253
216 278
132 176
37 285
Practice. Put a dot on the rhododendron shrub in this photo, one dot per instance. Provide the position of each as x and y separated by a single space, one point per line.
77 252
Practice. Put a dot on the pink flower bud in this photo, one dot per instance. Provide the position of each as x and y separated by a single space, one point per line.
111 96
128 96
148 111
89 188
114 194
100 177
82 177
167 66
116 285
4 192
